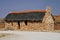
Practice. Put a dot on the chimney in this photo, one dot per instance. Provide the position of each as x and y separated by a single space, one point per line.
48 9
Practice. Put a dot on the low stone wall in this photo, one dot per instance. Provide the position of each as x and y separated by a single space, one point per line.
11 26
31 26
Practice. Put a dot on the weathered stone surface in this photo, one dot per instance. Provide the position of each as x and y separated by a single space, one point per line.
48 22
31 26
15 26
9 25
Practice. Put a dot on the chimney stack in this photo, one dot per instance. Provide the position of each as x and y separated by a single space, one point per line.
48 10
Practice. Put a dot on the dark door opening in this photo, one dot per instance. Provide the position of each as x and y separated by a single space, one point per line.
19 24
26 22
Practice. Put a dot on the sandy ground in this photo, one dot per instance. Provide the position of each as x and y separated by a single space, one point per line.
23 35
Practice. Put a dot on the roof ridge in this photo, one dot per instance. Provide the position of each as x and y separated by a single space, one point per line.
26 11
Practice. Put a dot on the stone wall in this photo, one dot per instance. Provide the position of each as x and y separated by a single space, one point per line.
31 26
15 26
11 25
8 25
48 22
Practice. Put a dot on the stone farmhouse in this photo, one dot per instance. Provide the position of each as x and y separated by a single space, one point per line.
32 20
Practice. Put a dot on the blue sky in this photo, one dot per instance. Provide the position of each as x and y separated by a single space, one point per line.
7 6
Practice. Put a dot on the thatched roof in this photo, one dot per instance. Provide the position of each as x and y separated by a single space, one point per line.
32 16
27 16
